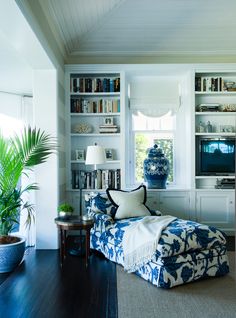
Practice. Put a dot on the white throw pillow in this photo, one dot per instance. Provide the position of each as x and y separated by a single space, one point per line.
129 204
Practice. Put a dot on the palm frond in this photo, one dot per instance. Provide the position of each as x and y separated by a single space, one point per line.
34 146
11 166
16 155
30 213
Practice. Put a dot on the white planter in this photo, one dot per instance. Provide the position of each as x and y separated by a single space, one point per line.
11 255
65 215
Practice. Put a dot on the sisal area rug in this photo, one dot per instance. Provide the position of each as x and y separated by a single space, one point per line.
210 298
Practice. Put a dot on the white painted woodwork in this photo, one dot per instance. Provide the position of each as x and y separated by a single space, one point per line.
46 175
176 203
182 199
216 208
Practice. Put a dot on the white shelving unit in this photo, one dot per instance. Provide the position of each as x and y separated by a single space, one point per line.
214 206
91 99
212 89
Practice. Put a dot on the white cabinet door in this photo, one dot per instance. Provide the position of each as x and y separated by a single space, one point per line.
152 200
176 203
216 208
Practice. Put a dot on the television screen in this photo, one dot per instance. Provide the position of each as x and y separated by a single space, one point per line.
217 156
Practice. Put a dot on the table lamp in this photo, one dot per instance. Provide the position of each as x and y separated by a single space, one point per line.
95 155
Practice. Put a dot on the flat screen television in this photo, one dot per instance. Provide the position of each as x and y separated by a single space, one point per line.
216 156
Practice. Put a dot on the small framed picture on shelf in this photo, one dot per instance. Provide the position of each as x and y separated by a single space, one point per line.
108 121
109 154
79 154
226 128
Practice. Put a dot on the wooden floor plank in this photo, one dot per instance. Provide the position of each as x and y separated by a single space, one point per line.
39 288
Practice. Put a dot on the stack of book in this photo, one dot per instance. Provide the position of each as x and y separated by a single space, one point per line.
106 129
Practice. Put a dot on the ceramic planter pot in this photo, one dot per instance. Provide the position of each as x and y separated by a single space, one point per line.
65 215
11 255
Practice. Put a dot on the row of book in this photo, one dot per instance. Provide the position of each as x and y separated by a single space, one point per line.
94 85
209 84
97 179
94 106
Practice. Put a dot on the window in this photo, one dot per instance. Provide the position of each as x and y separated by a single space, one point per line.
147 131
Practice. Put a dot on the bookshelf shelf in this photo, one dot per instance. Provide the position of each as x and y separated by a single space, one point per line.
107 162
96 135
218 134
100 94
215 113
215 93
94 114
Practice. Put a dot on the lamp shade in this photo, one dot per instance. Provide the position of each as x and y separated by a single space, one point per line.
95 155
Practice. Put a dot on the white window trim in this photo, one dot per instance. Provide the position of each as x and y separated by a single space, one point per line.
131 154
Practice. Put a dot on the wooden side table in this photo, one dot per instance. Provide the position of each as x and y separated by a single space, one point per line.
73 223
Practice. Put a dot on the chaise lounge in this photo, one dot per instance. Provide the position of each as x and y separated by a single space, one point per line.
186 251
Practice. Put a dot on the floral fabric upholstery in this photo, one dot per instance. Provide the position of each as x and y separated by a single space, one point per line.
99 203
187 250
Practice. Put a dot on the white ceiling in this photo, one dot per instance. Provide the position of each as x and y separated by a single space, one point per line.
20 51
143 27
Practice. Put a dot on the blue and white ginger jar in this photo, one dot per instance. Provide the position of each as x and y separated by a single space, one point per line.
156 168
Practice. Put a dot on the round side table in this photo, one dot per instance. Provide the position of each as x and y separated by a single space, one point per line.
73 223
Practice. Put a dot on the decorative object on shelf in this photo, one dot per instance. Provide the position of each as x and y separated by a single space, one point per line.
230 86
209 127
65 210
201 127
108 121
156 168
225 183
229 108
109 154
208 107
108 126
82 128
226 128
79 154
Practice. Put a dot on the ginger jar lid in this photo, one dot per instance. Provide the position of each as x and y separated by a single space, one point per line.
155 152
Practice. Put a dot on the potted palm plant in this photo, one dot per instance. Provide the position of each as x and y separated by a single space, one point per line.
17 155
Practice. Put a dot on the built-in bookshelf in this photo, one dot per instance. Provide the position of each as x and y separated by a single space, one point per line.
94 112
215 120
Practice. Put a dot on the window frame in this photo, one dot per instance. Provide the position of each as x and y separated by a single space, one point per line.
132 152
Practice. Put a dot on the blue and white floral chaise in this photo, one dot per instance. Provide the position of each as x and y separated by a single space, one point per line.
187 251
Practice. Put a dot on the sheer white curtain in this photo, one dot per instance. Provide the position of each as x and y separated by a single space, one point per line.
16 111
27 117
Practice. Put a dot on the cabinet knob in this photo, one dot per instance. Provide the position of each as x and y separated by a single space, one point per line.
230 202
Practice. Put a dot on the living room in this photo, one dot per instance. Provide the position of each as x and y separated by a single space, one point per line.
189 194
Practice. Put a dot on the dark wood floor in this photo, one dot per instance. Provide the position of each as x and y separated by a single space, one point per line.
39 288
